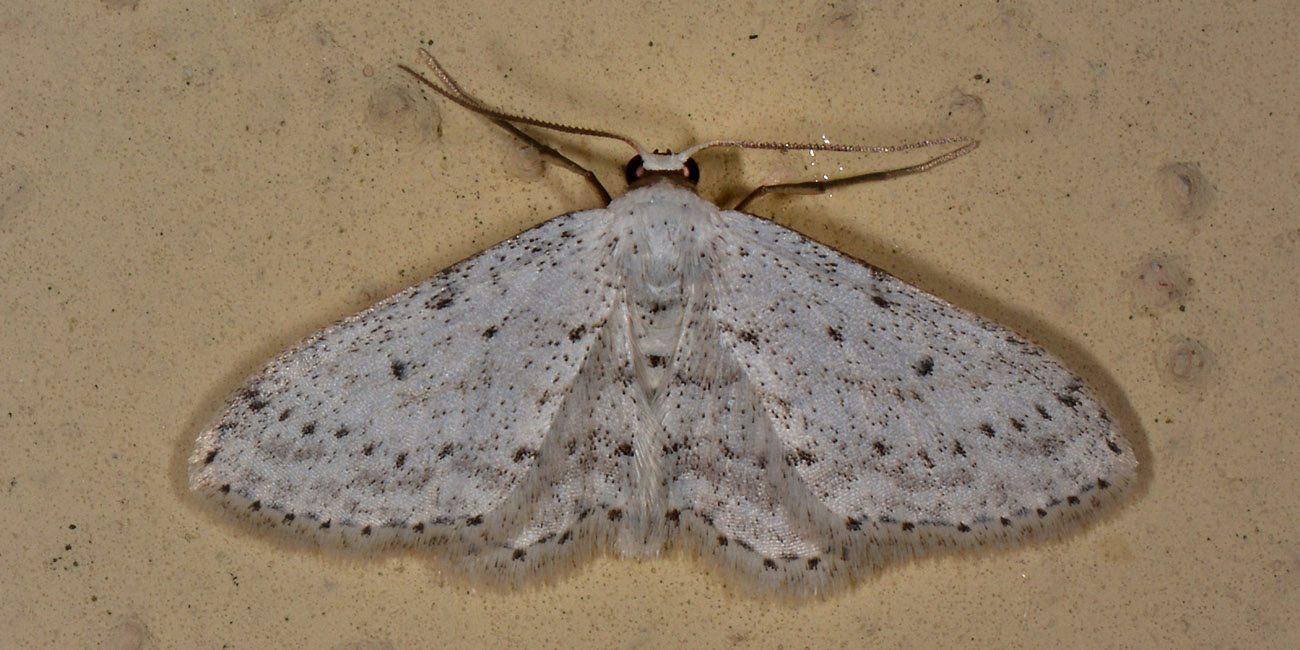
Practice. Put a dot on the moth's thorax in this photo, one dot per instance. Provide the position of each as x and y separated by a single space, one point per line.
665 246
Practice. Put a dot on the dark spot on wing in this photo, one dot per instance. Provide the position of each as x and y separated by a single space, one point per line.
309 428
207 460
834 333
401 460
987 429
1067 399
881 302
490 332
524 453
342 432
399 369
1042 412
577 332
924 366
800 457
614 514
925 458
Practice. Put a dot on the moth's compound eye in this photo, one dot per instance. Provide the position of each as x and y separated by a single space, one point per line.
692 171
634 170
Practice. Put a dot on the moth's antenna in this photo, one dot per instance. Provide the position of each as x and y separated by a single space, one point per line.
817 187
508 121
823 146
655 161
457 94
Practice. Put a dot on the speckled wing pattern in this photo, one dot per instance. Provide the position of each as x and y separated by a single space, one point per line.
891 424
422 415
664 374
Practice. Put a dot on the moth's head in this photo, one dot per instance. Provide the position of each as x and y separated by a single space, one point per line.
679 167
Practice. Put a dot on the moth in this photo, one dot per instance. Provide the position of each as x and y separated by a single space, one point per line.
663 373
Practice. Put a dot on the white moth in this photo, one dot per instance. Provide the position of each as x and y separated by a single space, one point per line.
664 373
